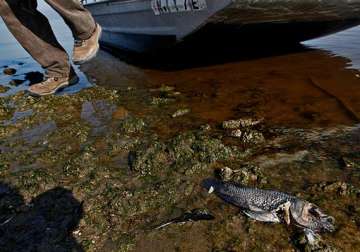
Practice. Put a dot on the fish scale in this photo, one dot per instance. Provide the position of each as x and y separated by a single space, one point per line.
248 198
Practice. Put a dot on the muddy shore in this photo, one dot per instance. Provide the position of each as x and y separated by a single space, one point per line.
99 169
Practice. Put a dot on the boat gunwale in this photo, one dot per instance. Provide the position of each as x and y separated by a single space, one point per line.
112 1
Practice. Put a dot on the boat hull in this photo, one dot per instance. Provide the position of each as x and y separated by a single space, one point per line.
133 25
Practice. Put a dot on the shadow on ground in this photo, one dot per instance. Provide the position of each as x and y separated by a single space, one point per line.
45 224
201 54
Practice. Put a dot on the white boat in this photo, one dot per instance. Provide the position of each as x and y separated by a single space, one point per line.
146 25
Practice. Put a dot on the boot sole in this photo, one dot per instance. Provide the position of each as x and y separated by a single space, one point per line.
92 54
61 86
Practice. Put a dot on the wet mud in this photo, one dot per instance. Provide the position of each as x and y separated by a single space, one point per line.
100 167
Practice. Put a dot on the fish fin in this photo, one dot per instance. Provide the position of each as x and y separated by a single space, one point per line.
255 209
211 190
287 212
262 216
164 225
286 209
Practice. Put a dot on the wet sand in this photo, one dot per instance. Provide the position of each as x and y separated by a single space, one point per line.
123 162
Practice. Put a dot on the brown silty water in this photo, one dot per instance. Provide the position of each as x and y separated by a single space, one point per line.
135 147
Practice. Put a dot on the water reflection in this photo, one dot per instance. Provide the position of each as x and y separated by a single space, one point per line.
304 88
295 85
345 44
29 72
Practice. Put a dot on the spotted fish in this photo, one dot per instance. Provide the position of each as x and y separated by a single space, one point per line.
272 206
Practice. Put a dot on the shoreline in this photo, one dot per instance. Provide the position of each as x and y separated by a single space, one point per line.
96 169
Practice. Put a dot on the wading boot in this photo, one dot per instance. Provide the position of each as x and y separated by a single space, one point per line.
51 85
85 50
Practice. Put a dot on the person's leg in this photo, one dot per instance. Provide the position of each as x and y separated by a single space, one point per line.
83 26
34 33
79 19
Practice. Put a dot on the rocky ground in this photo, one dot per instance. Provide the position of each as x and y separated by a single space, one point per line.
93 172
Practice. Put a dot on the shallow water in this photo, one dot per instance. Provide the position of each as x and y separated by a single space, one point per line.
11 55
345 44
127 163
261 74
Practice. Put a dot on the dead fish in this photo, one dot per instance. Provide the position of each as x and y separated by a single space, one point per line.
272 206
193 215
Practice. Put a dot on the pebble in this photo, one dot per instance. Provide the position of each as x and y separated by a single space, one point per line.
253 137
9 71
248 137
180 112
161 101
236 133
241 123
163 88
205 127
226 173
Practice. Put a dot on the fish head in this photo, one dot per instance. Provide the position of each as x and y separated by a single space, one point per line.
308 215
212 185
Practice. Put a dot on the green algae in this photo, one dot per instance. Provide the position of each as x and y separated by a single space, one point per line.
132 125
130 177
187 152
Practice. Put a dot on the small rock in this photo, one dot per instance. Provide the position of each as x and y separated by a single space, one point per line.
310 242
253 137
241 123
205 127
339 187
245 175
9 71
248 136
236 133
3 89
163 88
161 101
16 82
180 112
226 173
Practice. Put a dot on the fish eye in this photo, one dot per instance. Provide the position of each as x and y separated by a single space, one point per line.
330 219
